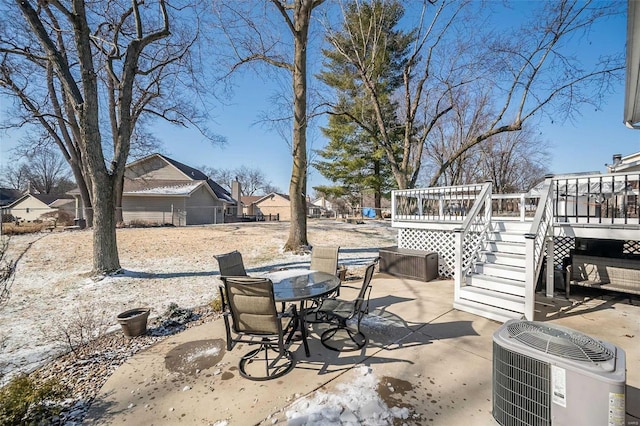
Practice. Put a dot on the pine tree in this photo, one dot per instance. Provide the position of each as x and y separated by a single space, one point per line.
354 156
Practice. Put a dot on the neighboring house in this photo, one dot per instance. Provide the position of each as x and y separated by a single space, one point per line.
249 207
30 207
274 204
628 163
160 190
325 206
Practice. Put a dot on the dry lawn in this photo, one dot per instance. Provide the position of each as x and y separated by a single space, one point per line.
161 266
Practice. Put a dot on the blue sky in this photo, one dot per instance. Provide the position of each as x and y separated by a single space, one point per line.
584 144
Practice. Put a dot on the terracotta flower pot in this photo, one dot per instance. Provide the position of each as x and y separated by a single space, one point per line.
134 321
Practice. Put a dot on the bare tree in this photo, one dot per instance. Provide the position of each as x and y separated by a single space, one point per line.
15 176
518 75
513 161
252 180
42 171
255 43
531 73
84 71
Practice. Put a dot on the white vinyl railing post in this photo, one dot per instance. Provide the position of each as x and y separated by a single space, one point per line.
457 272
393 206
529 274
522 207
550 267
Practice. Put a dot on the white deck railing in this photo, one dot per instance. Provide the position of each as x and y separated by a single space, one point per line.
593 199
453 203
470 237
538 239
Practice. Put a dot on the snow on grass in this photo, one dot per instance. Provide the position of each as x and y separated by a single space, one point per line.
161 266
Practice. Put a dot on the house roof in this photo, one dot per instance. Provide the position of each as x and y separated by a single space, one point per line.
191 173
47 199
168 187
247 200
8 195
160 187
271 195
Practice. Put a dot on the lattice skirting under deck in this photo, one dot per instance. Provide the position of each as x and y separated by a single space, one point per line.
442 242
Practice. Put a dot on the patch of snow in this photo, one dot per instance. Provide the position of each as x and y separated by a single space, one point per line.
168 190
353 403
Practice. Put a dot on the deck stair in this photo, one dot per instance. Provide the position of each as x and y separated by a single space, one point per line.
495 286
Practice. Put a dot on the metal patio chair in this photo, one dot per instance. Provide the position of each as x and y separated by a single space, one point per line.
338 312
249 312
231 265
323 259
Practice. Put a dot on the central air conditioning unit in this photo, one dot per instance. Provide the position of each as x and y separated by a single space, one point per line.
544 374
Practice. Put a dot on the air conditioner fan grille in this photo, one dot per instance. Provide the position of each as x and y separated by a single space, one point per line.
559 341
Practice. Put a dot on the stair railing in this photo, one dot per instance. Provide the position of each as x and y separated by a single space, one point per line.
471 237
539 238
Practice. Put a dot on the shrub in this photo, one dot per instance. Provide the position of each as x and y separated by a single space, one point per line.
7 268
22 228
216 304
85 325
139 223
25 401
59 218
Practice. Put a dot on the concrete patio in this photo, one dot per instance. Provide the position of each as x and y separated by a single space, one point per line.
429 358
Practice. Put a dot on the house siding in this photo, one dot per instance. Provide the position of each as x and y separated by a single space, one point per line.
154 168
275 205
203 208
154 210
29 209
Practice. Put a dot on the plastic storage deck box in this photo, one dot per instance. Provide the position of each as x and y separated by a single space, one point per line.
415 264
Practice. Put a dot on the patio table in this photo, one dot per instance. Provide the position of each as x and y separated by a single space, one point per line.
300 285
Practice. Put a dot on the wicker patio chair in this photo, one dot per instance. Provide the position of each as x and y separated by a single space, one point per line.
338 312
231 265
249 312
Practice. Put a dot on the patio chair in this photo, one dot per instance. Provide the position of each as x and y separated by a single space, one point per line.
339 312
249 311
231 265
325 259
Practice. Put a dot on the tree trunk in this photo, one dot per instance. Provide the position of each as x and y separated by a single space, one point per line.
105 247
298 185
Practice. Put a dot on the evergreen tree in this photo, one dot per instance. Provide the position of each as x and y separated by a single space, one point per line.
354 156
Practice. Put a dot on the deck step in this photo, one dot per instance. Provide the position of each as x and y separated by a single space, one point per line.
491 312
511 226
513 237
508 259
501 271
506 247
493 298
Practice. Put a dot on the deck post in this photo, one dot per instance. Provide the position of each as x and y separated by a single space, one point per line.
550 267
457 271
522 207
529 277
